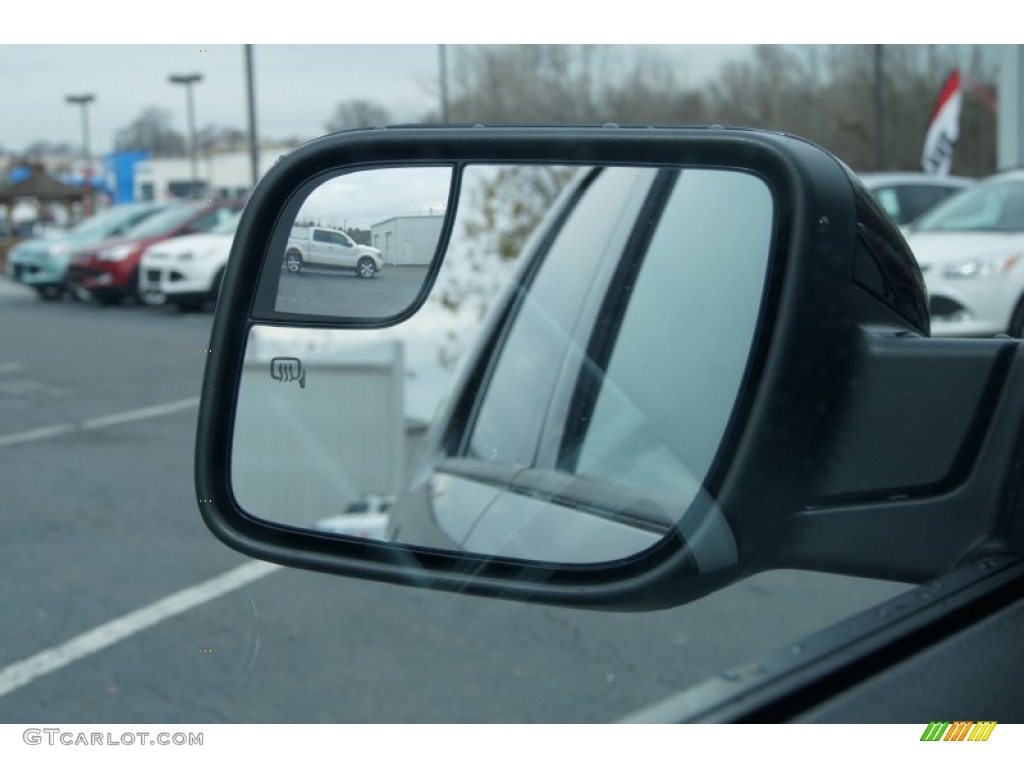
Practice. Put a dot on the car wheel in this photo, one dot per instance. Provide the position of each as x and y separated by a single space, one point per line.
293 261
366 267
1016 328
50 292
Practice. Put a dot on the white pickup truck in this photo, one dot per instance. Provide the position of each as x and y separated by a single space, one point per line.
317 246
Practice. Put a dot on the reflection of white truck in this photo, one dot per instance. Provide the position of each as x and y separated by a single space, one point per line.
407 240
321 247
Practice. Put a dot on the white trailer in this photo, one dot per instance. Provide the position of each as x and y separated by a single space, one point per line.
407 240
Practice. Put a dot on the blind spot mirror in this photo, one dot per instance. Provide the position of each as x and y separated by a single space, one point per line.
358 246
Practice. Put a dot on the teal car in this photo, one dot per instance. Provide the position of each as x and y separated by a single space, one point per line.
42 263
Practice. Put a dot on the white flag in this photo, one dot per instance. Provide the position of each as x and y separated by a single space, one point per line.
944 129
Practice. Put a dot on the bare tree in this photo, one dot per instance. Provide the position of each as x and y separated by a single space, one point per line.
358 113
827 94
42 147
151 131
214 138
568 84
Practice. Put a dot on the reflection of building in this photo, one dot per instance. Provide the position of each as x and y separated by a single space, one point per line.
407 240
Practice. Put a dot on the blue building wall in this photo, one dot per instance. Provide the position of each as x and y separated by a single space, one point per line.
120 168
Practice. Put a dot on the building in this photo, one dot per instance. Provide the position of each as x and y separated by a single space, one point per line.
224 176
407 240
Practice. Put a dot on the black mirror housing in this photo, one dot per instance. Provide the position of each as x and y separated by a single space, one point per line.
840 385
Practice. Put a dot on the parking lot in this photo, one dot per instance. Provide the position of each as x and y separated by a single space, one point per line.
339 292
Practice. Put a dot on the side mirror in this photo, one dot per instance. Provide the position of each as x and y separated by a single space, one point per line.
709 358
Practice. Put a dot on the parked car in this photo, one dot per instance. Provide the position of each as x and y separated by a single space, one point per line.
971 251
905 196
108 272
714 361
187 270
321 247
42 264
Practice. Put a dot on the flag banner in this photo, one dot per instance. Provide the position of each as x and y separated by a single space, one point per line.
944 128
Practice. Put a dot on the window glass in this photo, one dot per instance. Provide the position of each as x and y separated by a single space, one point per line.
915 200
165 221
210 220
997 206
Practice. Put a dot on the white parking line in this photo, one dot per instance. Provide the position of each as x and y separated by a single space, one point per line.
11 367
99 422
23 672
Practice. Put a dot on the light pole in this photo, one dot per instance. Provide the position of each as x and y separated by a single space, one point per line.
250 92
187 81
83 100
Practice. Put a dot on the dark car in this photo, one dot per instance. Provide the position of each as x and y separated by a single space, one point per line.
109 271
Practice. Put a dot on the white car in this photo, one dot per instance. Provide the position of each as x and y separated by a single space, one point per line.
971 251
187 270
321 247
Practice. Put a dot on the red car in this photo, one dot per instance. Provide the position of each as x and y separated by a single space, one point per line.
109 271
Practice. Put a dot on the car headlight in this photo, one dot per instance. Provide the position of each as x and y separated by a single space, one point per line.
988 266
116 253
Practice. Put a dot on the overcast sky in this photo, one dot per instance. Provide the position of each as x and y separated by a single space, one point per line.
297 86
370 197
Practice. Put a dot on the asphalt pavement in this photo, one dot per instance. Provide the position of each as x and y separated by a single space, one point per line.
121 607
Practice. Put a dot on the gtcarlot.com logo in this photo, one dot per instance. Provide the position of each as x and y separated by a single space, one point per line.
959 731
58 736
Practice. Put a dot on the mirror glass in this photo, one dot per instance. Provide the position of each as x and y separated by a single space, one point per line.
361 244
561 396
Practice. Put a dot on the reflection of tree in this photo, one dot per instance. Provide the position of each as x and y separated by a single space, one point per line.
497 215
360 236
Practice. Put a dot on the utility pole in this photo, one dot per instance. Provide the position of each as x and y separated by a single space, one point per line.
188 81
